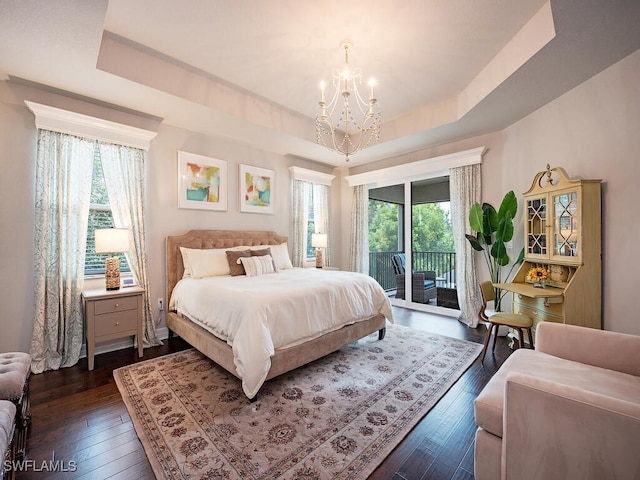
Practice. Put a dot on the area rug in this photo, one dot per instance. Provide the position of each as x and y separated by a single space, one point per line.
335 418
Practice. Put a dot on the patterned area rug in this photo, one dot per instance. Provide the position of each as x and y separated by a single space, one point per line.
335 418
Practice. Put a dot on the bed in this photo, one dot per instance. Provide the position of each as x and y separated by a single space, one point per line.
224 347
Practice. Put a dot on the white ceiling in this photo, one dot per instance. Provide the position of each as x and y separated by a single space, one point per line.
445 70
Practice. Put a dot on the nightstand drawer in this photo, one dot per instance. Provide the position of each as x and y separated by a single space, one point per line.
111 323
111 305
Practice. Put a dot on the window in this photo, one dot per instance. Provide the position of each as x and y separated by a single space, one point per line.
311 227
99 217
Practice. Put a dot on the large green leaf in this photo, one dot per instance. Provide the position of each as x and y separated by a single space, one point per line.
520 257
499 252
490 218
509 206
475 244
475 217
504 232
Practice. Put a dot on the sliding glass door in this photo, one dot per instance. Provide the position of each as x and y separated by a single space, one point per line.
411 243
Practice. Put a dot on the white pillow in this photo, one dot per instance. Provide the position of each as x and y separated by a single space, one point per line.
280 254
208 262
185 262
255 266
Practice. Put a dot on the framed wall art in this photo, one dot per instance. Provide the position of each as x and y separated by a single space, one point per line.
256 189
202 182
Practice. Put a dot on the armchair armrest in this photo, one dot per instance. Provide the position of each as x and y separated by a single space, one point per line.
600 348
428 274
558 431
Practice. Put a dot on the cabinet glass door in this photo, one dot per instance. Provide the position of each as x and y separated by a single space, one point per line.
536 227
566 228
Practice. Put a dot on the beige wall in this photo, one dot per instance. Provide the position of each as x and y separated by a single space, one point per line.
592 131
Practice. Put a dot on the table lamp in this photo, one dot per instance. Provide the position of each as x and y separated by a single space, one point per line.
319 241
112 240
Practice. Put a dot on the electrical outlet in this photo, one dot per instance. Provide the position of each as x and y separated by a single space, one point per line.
161 304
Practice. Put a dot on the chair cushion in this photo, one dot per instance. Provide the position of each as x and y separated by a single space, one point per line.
429 284
511 319
7 418
14 370
488 406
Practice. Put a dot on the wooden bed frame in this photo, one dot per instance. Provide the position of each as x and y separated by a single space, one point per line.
285 359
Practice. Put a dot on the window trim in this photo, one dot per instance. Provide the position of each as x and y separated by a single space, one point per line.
72 123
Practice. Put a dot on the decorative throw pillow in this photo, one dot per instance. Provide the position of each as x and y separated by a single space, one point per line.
264 252
257 265
236 268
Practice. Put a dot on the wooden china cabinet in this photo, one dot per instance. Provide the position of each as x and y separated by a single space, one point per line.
562 232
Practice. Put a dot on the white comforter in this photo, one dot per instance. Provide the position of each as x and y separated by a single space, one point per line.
256 315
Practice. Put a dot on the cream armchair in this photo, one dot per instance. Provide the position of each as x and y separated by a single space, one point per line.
570 409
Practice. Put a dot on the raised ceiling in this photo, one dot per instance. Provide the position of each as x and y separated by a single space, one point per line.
250 70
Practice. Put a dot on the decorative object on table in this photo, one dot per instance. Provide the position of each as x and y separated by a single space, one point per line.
538 276
493 231
337 417
337 127
111 241
202 182
256 189
319 241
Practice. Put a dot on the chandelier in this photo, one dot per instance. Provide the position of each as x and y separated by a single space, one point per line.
341 126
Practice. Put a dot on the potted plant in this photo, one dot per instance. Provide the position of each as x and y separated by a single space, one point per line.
494 229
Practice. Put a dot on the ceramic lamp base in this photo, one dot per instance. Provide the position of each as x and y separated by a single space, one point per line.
318 258
112 273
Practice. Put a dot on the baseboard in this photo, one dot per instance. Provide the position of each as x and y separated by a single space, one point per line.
121 344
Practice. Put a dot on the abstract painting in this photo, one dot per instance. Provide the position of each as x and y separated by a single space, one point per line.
202 182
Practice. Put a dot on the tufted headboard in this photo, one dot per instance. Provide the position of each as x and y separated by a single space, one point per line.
210 239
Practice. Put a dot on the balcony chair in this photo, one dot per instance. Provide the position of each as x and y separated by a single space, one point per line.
423 284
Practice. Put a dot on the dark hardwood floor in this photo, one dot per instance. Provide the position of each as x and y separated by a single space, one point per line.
80 421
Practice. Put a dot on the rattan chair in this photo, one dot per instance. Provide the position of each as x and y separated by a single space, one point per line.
423 284
517 321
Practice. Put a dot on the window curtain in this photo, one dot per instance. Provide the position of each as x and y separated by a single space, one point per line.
464 185
64 167
123 169
359 248
321 215
301 191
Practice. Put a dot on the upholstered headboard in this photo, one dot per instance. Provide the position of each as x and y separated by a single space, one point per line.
210 239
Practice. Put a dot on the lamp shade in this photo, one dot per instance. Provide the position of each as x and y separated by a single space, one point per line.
319 240
112 240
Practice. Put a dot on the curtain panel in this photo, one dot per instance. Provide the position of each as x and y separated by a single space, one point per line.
301 192
464 185
359 245
64 167
123 169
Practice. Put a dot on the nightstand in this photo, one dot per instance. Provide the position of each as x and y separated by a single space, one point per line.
112 314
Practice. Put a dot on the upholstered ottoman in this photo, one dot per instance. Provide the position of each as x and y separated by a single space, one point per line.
7 427
15 368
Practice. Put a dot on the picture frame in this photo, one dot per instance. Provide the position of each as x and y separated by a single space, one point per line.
202 182
256 189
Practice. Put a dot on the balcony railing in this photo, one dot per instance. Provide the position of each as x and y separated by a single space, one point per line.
443 263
